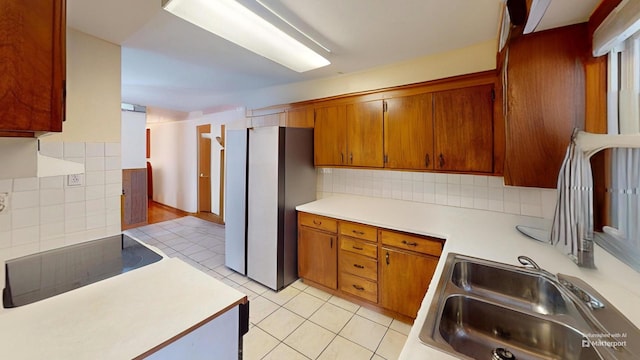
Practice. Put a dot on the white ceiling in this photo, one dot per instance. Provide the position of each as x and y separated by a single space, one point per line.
172 64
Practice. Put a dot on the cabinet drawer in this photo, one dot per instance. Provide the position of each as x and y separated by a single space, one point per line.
359 231
424 245
358 265
359 287
318 222
359 247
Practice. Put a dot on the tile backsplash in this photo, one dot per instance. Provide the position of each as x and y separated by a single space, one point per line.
468 191
46 213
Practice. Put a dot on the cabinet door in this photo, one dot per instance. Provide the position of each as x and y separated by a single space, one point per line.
404 280
32 50
364 134
330 136
408 133
318 257
545 102
463 127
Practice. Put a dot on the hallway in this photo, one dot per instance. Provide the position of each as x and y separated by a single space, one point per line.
158 212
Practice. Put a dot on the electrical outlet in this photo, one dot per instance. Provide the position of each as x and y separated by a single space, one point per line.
74 180
4 202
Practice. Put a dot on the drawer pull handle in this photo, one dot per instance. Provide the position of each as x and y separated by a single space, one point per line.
358 232
358 287
357 248
358 266
317 222
409 243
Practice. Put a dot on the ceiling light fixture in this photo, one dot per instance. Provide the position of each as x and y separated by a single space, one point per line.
234 22
293 26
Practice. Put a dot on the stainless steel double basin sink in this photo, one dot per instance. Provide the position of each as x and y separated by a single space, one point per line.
488 310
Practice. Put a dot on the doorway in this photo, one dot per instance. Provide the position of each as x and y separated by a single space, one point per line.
206 183
204 168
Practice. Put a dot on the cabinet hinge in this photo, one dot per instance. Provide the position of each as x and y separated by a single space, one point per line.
384 105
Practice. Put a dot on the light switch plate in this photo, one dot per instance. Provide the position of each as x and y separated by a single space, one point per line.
74 180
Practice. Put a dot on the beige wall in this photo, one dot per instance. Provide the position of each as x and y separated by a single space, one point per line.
475 58
93 90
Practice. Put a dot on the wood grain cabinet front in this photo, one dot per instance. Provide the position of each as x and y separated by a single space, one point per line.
421 244
404 279
349 135
387 269
463 129
545 100
318 222
318 257
32 49
408 132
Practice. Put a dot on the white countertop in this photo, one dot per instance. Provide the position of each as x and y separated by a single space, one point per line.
484 234
117 318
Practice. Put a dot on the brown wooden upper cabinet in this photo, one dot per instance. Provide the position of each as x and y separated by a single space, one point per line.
408 132
448 130
443 125
349 135
330 136
463 129
32 49
545 97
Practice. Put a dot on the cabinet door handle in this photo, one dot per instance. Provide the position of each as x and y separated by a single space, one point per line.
317 222
358 287
358 266
358 232
332 242
357 248
426 160
409 243
386 257
441 160
341 158
351 158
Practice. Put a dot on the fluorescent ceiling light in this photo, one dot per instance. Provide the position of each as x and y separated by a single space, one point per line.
234 22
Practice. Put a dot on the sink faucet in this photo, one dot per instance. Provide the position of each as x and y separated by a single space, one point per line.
527 261
590 300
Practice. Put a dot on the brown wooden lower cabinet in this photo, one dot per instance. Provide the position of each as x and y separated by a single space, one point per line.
404 280
318 257
379 268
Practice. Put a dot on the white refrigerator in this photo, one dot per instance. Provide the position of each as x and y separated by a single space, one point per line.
269 171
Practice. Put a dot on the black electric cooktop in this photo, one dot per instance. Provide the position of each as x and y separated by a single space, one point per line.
39 276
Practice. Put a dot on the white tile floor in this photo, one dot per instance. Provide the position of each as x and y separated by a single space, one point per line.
299 322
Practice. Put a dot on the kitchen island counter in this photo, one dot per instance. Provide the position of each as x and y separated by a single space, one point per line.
484 234
122 317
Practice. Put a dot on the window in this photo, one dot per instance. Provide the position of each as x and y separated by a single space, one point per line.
620 233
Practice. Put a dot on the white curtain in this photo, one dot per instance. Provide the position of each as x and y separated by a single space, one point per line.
572 228
624 193
625 162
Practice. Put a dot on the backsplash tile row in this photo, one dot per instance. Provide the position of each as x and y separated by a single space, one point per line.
468 191
46 213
